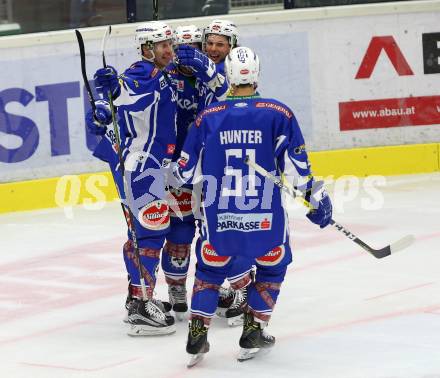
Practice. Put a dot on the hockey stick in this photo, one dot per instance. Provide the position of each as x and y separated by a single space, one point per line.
295 193
155 10
122 168
82 55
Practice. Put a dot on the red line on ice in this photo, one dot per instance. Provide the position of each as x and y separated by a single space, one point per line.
400 291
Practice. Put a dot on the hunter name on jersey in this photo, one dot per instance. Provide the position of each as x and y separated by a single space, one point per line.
244 222
240 136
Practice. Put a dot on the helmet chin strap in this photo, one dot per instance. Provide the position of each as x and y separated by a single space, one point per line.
150 49
149 59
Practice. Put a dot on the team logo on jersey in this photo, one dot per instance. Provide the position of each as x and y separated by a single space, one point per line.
210 257
273 257
155 215
171 148
181 202
244 222
241 105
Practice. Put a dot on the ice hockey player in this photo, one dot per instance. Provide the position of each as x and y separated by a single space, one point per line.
189 90
217 40
197 83
146 109
219 37
245 218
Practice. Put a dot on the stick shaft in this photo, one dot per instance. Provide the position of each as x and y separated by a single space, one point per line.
295 193
130 215
82 55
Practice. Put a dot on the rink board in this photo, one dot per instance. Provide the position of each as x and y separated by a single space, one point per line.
92 189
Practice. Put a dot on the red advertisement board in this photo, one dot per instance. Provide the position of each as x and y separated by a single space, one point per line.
390 112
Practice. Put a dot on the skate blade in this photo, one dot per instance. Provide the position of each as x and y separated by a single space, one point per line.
144 330
181 316
247 354
195 359
236 321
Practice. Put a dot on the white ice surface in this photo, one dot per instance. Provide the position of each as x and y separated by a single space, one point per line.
341 312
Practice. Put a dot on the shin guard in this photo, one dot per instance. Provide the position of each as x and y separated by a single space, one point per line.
149 259
204 300
175 262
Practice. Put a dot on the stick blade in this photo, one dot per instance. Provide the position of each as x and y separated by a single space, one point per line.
108 32
393 248
403 243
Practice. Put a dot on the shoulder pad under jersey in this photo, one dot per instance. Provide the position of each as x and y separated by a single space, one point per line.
140 75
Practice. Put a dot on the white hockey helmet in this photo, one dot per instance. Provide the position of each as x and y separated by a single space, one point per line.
151 32
222 27
242 66
187 34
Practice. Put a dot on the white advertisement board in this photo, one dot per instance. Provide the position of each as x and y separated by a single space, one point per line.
378 82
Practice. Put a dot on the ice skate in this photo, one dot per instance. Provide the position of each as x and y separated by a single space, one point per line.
165 306
225 300
177 295
149 318
130 301
234 313
197 344
253 339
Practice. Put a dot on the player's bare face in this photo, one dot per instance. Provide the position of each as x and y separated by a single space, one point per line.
163 52
217 47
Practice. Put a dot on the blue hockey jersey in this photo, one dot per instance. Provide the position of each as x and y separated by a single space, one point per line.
188 92
193 95
148 136
244 214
